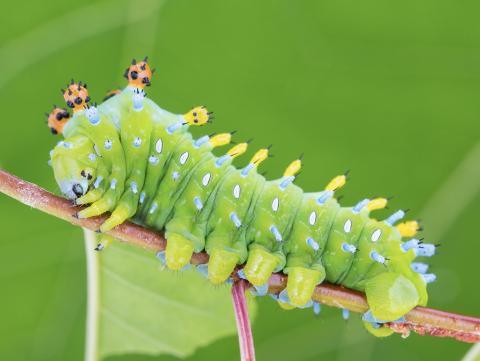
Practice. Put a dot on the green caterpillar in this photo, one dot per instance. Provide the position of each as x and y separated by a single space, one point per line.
129 157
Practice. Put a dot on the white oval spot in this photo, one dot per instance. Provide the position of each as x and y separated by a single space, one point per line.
108 144
275 204
236 191
159 146
376 235
153 160
313 218
206 179
183 158
347 227
137 142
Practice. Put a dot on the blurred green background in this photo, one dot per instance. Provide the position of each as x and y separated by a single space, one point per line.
387 89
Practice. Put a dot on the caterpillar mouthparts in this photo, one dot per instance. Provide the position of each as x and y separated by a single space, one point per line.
138 161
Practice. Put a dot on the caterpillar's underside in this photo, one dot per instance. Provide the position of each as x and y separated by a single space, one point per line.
138 161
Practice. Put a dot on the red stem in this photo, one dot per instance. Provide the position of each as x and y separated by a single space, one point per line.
422 320
245 338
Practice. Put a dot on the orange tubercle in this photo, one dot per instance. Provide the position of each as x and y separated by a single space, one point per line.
57 119
76 96
139 74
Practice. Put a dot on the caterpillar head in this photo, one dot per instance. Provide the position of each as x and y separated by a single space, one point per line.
139 75
76 95
74 165
57 119
198 116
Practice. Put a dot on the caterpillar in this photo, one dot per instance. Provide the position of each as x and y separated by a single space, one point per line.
138 161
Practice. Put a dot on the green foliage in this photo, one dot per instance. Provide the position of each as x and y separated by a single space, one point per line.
147 311
388 90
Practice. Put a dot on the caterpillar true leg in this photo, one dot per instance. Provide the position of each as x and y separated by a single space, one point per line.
97 188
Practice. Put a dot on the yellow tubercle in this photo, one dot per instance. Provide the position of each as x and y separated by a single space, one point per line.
197 116
336 183
377 203
293 168
409 228
260 156
221 139
238 150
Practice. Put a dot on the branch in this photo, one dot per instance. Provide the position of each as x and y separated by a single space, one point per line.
424 321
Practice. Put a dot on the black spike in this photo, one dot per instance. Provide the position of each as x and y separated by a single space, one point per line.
134 62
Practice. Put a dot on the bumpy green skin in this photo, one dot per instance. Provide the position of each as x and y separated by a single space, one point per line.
158 180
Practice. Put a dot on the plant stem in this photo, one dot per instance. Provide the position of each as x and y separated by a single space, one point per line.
93 294
245 338
424 321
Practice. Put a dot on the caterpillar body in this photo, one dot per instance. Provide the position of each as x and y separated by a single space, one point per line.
130 157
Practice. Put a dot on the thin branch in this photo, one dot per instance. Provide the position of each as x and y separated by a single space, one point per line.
245 338
424 321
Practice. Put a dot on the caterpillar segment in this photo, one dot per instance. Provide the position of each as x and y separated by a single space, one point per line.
138 161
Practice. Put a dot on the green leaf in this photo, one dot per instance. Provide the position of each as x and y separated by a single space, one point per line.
144 309
473 354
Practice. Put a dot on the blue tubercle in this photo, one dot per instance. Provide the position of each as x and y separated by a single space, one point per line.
368 317
317 308
360 205
325 196
161 257
398 215
202 269
261 290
